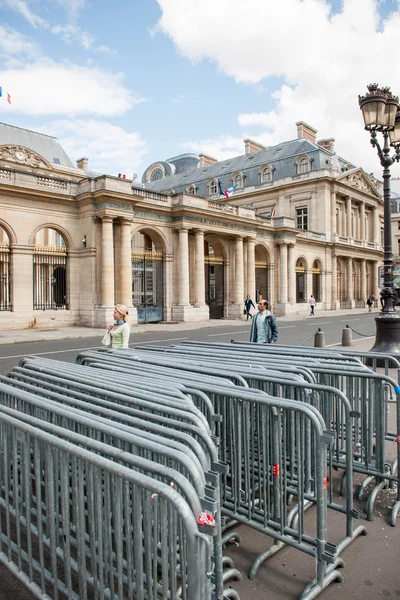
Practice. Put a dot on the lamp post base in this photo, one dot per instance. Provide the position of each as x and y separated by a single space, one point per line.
387 338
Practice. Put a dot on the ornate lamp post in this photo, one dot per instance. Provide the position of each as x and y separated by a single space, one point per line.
381 112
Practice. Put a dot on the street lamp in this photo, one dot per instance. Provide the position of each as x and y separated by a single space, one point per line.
381 112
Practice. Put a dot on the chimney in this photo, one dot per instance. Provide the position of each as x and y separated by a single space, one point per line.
307 132
206 161
82 163
251 146
328 144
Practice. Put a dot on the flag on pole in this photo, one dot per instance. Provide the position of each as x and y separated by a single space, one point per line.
228 193
273 214
6 94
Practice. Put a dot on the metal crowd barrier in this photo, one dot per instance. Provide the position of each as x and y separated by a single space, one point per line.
265 469
369 392
77 524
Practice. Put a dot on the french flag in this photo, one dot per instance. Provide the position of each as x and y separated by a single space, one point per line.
7 95
228 193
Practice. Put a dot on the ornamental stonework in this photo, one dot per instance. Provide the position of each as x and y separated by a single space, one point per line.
357 181
23 156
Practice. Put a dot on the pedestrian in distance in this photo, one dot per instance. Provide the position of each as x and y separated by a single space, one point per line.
312 304
248 303
370 303
118 333
264 328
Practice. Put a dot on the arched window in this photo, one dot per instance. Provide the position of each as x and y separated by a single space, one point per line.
300 280
191 189
5 272
237 179
50 271
303 164
316 281
266 175
156 173
213 187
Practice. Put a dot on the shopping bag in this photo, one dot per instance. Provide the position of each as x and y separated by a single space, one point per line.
106 341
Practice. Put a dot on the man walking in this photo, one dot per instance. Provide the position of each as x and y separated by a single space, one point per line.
248 303
370 303
264 328
312 304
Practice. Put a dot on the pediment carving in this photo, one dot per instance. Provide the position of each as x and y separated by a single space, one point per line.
23 156
360 181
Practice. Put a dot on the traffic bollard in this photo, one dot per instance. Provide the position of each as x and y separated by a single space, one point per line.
346 336
319 339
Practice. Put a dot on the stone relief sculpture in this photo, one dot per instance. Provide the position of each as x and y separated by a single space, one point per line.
23 156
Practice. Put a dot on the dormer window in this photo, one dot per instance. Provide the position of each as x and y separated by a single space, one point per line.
191 189
237 179
213 187
266 175
303 165
156 173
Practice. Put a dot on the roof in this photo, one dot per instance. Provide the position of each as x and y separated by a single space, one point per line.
45 145
242 163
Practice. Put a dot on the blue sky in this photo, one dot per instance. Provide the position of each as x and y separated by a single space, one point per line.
129 83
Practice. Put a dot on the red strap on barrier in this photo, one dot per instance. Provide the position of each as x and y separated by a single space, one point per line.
326 483
275 470
206 519
396 439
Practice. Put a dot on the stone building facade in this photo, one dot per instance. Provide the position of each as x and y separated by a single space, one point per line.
74 242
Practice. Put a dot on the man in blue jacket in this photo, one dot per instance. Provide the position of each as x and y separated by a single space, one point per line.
264 328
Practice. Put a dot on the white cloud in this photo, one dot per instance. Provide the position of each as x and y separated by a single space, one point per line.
13 44
48 88
23 8
222 147
110 148
325 60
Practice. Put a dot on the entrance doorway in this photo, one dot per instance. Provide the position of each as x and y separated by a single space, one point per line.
214 280
147 279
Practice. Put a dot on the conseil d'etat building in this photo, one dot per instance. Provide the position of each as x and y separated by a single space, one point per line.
73 242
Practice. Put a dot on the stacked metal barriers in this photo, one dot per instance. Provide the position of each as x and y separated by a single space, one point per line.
369 393
109 497
276 449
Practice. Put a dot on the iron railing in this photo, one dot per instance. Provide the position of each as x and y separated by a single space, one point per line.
50 278
5 277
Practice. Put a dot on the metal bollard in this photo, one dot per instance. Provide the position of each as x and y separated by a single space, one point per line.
346 336
319 339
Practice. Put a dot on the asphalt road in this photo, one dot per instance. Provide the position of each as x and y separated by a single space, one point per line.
296 332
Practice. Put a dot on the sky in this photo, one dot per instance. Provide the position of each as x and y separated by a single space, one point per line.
131 82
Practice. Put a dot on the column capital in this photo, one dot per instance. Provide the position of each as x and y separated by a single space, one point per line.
182 227
107 219
125 220
198 230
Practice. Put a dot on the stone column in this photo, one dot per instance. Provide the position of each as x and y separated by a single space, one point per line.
362 222
333 216
363 282
291 275
199 268
126 263
239 274
107 262
349 280
183 267
251 269
376 227
348 215
334 283
283 274
375 282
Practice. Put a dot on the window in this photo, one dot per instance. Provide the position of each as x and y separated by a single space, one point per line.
213 187
302 217
156 174
382 236
237 179
398 224
191 190
56 161
304 166
266 175
58 240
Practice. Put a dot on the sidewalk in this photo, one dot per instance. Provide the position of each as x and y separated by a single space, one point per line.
10 336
